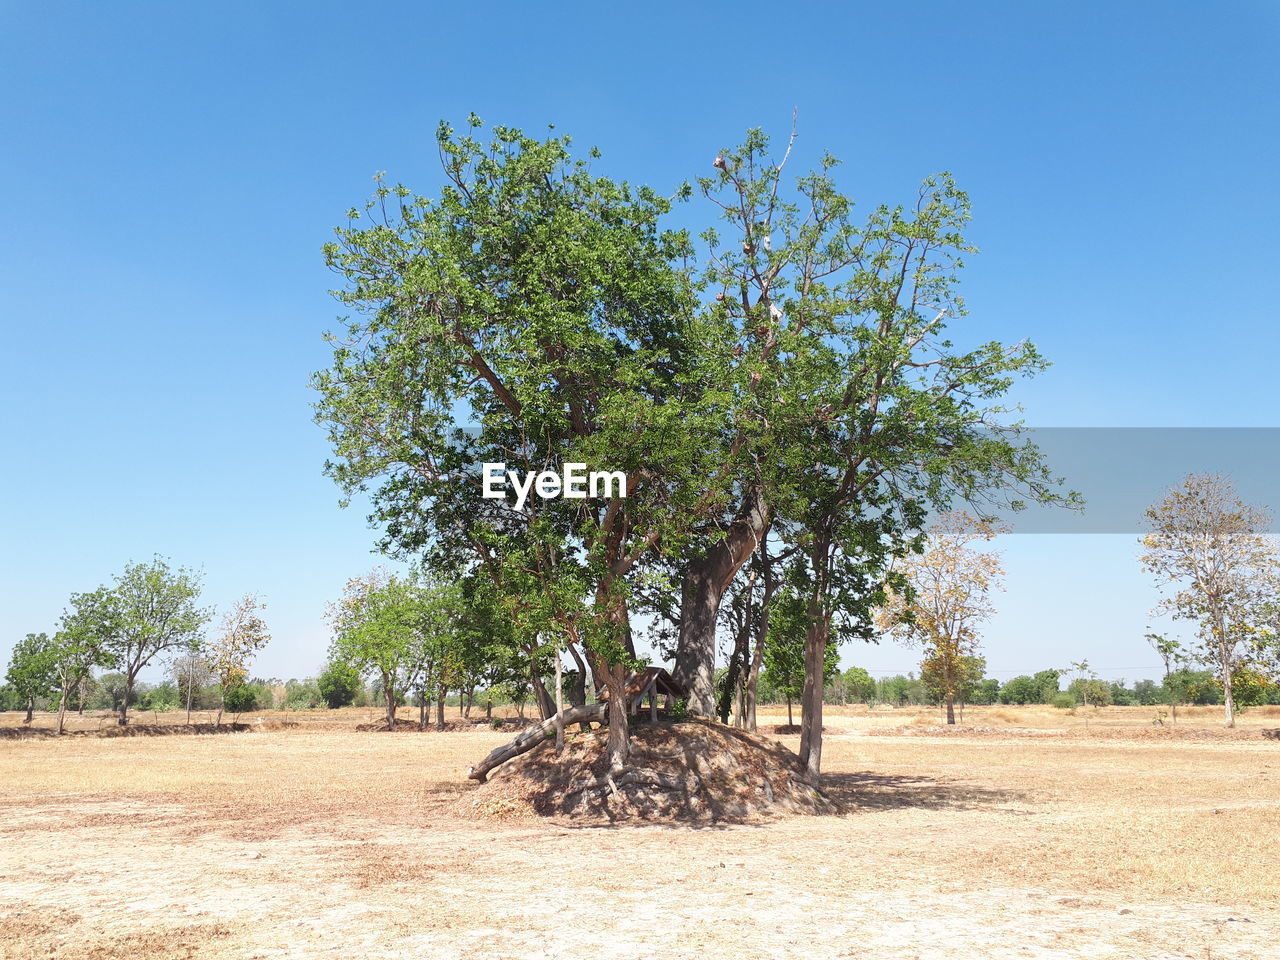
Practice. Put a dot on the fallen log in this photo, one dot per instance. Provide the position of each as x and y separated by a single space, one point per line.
530 738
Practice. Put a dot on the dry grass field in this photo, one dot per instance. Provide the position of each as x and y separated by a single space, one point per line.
1028 834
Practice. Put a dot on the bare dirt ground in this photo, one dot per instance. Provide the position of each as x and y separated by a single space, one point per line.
316 840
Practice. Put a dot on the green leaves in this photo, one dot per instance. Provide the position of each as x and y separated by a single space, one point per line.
33 666
542 308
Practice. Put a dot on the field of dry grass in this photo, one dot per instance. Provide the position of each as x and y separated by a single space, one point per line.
1030 836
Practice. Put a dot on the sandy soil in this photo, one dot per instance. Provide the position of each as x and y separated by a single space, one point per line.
318 841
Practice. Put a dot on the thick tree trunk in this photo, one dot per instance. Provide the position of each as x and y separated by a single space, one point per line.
440 707
535 735
619 734
124 701
31 709
422 709
790 721
815 649
466 711
951 709
546 706
1228 699
705 580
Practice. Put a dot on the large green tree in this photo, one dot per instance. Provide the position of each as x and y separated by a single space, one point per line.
535 314
81 644
854 412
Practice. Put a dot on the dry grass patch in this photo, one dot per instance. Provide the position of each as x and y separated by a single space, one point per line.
327 843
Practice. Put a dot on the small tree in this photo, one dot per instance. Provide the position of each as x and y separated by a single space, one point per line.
80 644
1170 652
32 670
859 686
193 676
402 629
339 683
1207 548
948 597
149 612
959 678
784 650
243 634
1020 690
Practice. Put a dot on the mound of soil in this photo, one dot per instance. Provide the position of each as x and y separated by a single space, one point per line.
691 771
145 730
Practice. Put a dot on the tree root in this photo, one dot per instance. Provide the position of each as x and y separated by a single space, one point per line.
638 776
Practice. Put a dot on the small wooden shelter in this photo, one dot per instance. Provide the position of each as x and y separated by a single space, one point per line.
651 683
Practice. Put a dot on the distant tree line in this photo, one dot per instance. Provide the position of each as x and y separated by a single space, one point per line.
148 615
1185 686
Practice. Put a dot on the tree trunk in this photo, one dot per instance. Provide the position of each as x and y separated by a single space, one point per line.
730 698
619 734
124 701
815 648
444 692
62 707
559 703
578 694
705 580
546 706
1228 698
951 709
422 708
752 687
466 711
488 709
790 720
389 696
31 709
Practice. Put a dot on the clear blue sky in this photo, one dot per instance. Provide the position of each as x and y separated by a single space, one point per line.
169 172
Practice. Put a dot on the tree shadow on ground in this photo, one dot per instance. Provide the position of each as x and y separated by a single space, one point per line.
876 791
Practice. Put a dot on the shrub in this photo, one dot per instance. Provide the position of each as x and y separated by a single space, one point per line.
338 684
163 696
1064 701
302 695
247 697
1020 690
